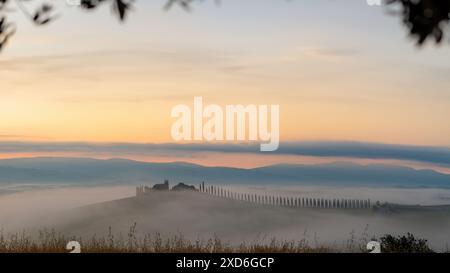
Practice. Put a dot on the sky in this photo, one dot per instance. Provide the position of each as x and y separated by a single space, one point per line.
340 70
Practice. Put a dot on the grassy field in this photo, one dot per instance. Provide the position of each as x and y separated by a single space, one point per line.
50 241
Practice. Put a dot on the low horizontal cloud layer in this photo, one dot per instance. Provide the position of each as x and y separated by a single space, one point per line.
425 154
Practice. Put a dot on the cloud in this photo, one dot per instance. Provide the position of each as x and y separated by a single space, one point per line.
361 150
320 53
328 52
205 57
14 136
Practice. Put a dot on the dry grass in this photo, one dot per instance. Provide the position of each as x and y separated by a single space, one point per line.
50 241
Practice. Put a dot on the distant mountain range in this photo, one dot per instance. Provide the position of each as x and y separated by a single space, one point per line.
86 171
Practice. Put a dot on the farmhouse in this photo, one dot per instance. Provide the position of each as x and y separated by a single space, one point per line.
142 190
183 187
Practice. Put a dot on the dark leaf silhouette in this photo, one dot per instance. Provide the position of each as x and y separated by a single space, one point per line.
43 15
6 31
423 18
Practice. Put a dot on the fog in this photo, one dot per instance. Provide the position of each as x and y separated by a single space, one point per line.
74 211
23 210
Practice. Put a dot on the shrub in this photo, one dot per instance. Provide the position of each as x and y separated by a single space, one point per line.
404 244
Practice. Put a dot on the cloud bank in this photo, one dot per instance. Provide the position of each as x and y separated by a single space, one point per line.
426 154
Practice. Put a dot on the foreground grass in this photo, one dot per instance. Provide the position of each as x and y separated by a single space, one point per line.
50 241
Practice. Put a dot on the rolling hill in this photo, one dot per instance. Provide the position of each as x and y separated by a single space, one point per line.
86 171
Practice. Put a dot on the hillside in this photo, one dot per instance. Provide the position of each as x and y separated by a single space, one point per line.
196 215
85 171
